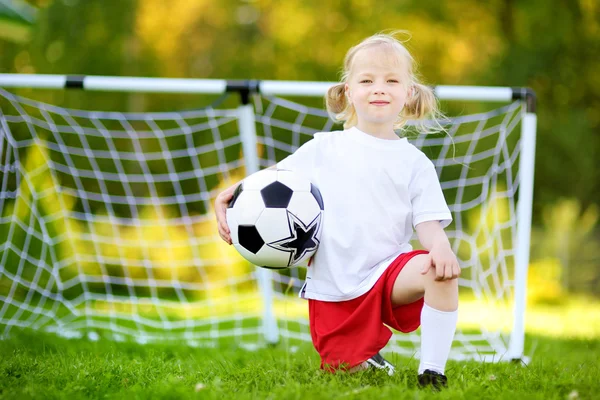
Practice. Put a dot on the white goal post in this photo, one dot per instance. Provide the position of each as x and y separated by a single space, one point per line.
68 264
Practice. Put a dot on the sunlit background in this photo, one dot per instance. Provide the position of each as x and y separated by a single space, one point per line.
552 47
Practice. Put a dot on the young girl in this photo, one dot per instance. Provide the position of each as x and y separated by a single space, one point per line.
376 187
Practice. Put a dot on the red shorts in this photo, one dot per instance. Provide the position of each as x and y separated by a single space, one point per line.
346 333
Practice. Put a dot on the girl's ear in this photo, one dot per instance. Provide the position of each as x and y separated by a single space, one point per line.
347 91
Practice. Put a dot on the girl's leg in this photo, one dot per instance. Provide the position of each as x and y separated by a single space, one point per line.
411 285
439 314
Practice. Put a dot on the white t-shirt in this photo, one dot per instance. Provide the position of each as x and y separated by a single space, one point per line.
374 192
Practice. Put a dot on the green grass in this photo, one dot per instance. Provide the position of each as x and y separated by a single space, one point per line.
34 365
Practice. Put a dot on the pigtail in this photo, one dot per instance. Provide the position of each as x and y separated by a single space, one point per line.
335 99
422 106
421 103
338 106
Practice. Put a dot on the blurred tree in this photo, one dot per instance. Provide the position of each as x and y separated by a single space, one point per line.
555 49
16 20
552 47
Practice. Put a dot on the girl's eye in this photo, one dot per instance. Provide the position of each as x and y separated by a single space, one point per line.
392 80
365 81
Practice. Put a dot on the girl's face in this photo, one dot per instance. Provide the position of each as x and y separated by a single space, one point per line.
377 88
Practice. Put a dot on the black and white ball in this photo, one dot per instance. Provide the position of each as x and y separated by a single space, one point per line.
275 218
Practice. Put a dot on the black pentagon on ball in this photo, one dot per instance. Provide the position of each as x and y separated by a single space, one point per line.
276 195
249 238
236 195
317 195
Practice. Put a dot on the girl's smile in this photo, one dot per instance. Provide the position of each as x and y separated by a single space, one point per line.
379 103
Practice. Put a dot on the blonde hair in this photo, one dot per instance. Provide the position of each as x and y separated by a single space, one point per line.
421 103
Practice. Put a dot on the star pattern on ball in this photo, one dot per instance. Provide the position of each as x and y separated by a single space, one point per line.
303 238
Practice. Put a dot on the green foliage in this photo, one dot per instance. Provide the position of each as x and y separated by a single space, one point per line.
552 47
567 239
544 282
16 19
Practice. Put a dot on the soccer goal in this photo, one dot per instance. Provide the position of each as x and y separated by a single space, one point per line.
107 223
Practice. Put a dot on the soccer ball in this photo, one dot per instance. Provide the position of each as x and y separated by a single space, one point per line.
275 218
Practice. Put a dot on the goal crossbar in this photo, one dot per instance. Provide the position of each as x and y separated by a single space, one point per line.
219 86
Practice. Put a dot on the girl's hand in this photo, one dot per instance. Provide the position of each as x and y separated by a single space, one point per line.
445 263
221 203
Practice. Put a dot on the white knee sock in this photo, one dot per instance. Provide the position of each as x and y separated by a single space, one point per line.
437 334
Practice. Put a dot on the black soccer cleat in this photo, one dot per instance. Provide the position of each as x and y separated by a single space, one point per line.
433 379
377 361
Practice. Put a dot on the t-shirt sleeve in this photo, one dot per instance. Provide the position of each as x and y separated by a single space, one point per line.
303 160
427 198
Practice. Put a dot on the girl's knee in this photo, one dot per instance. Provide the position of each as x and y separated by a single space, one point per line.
433 278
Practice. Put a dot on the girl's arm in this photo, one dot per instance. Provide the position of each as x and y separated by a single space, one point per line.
221 203
434 239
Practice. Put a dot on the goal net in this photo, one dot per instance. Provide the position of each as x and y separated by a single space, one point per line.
108 226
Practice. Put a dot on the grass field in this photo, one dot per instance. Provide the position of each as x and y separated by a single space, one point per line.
34 365
565 365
